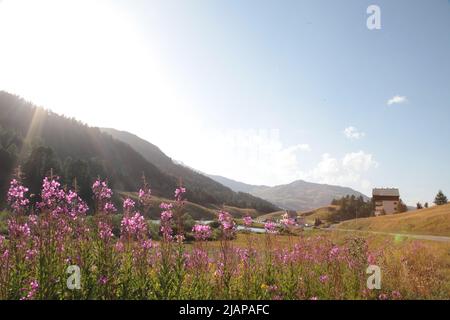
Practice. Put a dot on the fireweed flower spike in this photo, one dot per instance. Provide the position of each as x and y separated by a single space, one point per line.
34 286
105 231
166 221
128 206
103 195
179 192
101 190
145 196
201 232
248 221
270 227
227 223
109 208
134 226
16 197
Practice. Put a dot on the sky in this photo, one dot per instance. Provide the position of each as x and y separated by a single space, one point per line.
263 92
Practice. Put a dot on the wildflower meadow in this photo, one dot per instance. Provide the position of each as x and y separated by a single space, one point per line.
46 239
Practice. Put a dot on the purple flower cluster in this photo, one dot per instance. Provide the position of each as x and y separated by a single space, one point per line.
323 278
20 232
103 196
145 196
34 286
270 227
59 202
52 194
128 205
105 231
179 192
201 232
248 221
166 220
101 190
133 226
227 223
109 208
16 196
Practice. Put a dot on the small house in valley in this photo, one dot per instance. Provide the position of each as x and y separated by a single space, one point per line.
386 200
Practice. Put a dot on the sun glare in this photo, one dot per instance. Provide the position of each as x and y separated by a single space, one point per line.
85 59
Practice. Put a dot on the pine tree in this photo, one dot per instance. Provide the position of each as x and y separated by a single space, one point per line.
440 199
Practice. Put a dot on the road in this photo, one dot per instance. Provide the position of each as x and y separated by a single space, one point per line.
407 235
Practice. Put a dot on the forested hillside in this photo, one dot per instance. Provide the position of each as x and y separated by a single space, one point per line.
39 140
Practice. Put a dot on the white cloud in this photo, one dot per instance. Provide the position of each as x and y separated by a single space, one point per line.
303 147
252 156
260 157
397 100
359 161
350 171
353 133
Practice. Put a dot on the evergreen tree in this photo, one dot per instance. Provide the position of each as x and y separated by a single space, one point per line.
440 198
419 206
41 161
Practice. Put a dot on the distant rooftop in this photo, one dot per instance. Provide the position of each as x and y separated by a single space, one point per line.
386 192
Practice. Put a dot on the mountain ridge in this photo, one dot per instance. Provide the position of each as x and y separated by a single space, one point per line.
298 195
194 180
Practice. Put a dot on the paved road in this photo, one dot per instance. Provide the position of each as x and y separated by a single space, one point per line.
407 235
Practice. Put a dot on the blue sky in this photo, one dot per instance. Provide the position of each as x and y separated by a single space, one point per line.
258 91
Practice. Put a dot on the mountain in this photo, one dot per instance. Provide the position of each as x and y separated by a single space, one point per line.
207 190
41 141
298 195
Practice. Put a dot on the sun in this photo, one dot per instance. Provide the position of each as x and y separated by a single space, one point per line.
85 59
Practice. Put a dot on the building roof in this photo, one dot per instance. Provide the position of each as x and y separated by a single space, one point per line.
391 192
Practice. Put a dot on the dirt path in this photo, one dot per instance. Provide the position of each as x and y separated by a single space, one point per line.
407 235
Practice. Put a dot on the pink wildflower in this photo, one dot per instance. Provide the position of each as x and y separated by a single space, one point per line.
323 278
128 205
105 231
201 232
227 223
166 221
134 226
109 208
179 192
16 196
248 221
270 227
34 286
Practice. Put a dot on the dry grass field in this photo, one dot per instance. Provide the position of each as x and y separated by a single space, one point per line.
433 221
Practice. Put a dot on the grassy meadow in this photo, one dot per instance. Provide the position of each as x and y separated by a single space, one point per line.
432 221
